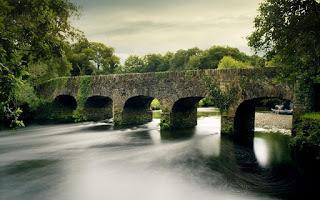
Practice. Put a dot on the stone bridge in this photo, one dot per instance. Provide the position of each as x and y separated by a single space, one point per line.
126 97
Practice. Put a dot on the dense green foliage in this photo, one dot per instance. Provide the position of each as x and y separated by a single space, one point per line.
89 58
191 59
305 145
221 98
155 104
83 93
31 31
229 62
311 116
287 31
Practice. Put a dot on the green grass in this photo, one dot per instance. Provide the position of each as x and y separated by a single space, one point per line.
312 116
156 115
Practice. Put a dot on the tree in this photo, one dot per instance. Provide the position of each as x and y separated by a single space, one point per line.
89 58
181 58
156 63
209 59
289 30
31 30
80 55
104 58
134 64
228 62
43 70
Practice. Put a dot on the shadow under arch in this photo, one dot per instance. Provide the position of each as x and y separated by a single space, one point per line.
244 120
60 111
98 108
66 102
137 110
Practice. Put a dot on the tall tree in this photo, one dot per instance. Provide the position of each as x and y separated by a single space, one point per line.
31 30
80 55
289 30
134 64
181 58
103 57
89 58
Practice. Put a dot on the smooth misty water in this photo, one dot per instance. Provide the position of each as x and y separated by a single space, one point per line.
93 161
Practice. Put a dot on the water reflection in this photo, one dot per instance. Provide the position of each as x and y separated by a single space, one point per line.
271 149
95 161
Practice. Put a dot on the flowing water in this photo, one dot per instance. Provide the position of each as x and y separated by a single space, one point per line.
93 161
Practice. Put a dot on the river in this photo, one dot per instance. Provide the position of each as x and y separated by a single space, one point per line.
93 161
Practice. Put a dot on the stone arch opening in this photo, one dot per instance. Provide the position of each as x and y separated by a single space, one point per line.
245 117
98 108
65 102
184 112
137 110
63 107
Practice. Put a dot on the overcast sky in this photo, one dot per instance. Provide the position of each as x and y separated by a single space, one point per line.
157 26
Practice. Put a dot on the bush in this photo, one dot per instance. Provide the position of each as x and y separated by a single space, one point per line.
206 102
155 104
305 146
228 62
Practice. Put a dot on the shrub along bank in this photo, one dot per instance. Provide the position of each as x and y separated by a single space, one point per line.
305 145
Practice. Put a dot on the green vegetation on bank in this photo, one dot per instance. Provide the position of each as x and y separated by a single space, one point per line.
305 145
311 116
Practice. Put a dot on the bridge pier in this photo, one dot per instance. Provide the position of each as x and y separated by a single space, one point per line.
239 121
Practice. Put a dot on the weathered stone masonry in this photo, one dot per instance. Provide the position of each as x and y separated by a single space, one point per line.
178 92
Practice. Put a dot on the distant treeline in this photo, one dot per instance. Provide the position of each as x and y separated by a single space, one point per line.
92 58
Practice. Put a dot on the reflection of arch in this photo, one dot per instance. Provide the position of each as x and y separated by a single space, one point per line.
184 112
244 120
137 110
65 102
98 108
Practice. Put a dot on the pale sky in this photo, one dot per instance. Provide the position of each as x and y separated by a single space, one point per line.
157 26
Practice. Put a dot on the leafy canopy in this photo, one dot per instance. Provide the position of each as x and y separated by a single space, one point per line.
289 30
31 30
228 62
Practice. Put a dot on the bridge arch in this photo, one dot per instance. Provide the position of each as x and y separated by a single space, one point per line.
244 118
66 102
97 108
136 110
63 107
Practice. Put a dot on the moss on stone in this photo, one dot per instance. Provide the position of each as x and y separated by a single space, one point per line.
85 87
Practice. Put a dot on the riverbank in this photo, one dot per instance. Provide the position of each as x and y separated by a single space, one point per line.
273 121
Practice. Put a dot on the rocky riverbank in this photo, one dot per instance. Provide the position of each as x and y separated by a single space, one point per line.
273 121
